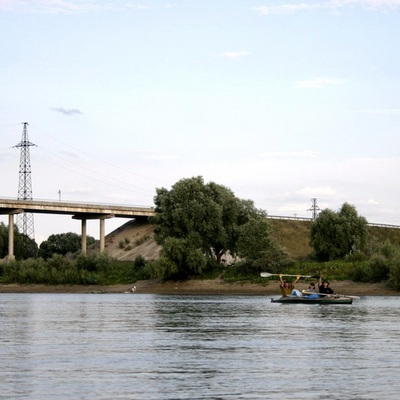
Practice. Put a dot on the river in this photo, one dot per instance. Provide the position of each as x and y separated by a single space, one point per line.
143 346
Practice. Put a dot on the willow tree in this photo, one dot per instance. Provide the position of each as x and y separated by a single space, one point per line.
197 224
336 234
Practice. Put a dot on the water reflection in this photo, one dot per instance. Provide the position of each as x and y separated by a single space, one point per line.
196 347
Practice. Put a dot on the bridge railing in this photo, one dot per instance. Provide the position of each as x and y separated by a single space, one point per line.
310 219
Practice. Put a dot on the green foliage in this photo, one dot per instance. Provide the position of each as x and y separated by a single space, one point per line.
63 243
257 247
204 214
94 269
380 265
24 246
94 262
55 271
336 235
123 244
139 269
394 274
178 260
198 223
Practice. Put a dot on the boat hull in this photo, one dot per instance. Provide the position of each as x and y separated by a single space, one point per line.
319 300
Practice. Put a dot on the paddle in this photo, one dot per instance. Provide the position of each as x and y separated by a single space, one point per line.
333 295
267 275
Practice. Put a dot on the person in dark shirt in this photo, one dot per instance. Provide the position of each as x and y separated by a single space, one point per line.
323 286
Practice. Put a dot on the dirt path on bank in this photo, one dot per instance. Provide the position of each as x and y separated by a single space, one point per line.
196 286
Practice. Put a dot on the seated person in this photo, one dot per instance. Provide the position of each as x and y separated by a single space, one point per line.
287 289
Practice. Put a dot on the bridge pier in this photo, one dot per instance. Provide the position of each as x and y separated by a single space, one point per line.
84 236
11 255
102 235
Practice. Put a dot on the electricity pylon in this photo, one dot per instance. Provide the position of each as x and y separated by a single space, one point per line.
314 208
25 220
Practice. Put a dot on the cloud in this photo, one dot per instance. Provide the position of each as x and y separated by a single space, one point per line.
232 55
154 155
290 154
286 8
319 83
383 111
373 202
69 111
64 6
325 191
138 7
369 4
334 5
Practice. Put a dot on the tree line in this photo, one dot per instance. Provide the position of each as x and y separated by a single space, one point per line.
202 225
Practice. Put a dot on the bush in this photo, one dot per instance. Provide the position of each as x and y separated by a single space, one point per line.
139 270
394 274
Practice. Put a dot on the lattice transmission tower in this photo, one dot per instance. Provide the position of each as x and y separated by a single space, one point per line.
314 208
24 221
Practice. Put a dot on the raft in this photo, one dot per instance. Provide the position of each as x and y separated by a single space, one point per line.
318 300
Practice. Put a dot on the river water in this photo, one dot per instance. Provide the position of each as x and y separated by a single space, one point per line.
138 346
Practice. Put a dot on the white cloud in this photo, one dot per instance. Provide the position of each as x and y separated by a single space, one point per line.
319 83
139 7
373 202
388 111
291 8
232 55
369 4
290 154
64 6
67 111
286 8
317 191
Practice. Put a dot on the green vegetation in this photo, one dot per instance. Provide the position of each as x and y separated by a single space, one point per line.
98 269
198 224
334 235
201 227
63 244
24 247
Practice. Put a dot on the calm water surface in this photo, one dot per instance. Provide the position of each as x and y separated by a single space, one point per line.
136 346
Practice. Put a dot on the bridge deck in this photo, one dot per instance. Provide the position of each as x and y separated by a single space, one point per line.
78 210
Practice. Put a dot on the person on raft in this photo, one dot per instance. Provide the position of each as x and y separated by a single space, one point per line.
323 286
287 288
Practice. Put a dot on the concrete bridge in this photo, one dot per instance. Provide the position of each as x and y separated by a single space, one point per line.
80 211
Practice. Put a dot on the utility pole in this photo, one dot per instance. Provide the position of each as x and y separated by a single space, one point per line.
314 208
25 220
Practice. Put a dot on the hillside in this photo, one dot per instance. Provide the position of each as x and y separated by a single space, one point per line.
136 238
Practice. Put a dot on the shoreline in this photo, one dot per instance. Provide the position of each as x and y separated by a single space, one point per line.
200 287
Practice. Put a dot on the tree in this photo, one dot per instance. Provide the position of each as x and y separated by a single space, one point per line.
24 246
3 240
336 234
63 244
197 224
257 246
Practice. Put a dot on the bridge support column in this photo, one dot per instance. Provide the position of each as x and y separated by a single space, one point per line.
102 235
10 237
83 230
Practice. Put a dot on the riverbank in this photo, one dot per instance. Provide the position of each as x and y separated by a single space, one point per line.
198 287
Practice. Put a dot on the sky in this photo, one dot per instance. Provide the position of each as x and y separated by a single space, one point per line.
280 101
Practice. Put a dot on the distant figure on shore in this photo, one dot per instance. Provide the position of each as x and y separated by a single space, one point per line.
132 289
